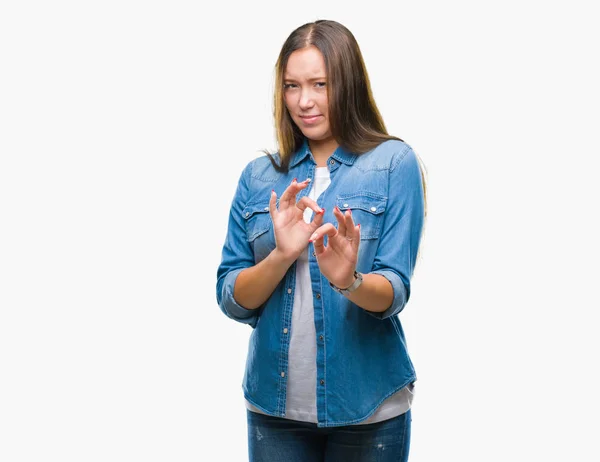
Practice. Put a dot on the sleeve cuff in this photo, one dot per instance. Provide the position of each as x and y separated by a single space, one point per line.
232 308
400 295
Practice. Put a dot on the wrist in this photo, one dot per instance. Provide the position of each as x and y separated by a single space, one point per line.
346 290
280 259
346 282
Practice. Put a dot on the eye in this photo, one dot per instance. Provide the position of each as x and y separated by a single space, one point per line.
288 85
320 84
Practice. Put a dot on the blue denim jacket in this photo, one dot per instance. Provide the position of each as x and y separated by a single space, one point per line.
362 357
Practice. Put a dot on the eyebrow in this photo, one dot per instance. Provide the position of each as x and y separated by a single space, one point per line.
310 80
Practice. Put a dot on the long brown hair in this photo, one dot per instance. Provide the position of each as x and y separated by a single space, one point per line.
354 119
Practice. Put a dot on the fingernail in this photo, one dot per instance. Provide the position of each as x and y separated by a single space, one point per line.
295 179
313 237
322 211
308 180
349 212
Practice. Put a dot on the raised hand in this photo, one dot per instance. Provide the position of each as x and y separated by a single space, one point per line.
337 260
291 231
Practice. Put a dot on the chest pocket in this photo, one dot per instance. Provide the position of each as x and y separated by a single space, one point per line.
367 210
258 219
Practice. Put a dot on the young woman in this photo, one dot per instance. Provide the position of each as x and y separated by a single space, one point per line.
321 244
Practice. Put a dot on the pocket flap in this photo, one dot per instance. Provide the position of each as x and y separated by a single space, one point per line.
369 202
253 209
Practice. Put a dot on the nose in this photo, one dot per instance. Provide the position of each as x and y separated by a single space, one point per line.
306 100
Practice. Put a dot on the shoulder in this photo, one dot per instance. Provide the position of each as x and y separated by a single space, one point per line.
261 168
386 156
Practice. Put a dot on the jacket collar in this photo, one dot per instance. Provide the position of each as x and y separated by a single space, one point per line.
340 154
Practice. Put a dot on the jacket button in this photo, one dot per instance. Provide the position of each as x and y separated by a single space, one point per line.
318 296
322 382
283 374
345 205
289 291
321 338
373 209
285 331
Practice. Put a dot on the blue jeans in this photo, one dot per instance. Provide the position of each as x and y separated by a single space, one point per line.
274 439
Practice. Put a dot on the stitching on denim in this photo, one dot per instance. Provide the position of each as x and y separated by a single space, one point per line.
264 202
402 456
378 218
251 401
287 314
265 179
384 273
231 303
361 193
322 195
279 360
256 234
400 158
289 281
374 168
369 414
266 168
381 167
393 318
324 353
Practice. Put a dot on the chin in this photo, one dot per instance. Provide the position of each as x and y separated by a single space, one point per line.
316 135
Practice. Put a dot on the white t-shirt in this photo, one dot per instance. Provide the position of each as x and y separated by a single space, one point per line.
301 400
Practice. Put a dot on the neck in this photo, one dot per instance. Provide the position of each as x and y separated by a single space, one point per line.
322 149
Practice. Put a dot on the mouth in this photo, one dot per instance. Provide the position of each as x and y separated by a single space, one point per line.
309 119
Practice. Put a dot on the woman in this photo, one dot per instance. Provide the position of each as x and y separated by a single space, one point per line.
321 244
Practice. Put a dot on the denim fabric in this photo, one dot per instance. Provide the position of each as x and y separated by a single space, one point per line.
362 356
273 439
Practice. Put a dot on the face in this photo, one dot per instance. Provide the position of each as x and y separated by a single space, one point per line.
305 93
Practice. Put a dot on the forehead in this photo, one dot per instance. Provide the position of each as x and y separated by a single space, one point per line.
306 63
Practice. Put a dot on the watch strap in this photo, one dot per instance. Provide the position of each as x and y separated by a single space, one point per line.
357 282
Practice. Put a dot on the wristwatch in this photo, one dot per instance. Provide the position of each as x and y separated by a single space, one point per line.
355 285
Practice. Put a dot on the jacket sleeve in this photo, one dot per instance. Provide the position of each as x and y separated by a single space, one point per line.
237 255
401 233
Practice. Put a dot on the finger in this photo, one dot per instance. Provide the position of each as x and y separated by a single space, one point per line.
317 219
295 188
289 195
356 239
337 213
325 230
273 204
305 202
349 222
319 245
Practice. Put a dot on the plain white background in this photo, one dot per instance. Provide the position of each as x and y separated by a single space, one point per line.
124 127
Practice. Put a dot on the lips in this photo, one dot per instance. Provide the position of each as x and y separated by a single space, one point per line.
310 119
